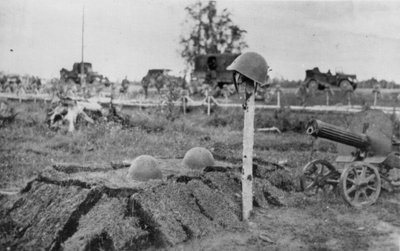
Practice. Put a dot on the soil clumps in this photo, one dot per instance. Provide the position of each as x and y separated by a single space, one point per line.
93 210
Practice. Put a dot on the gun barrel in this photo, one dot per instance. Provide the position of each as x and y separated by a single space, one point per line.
324 130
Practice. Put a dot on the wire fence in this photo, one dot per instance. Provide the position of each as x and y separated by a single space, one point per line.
208 101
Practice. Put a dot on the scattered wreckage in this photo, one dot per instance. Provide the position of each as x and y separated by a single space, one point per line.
68 110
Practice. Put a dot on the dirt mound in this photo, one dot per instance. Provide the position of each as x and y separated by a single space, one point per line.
93 210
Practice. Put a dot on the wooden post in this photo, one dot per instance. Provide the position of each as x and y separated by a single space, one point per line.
184 105
349 99
327 98
247 173
376 92
208 105
348 94
279 99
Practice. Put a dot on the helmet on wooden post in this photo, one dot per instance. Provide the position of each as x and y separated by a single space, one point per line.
251 65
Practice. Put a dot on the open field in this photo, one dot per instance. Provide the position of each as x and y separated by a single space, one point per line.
299 223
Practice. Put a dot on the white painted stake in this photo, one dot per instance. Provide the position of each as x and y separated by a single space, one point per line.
247 174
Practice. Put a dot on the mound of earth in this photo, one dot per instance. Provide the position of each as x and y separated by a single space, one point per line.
103 209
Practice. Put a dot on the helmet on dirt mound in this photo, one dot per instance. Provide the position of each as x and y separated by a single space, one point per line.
198 158
252 65
144 168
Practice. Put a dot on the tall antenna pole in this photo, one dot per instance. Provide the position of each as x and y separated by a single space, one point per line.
82 59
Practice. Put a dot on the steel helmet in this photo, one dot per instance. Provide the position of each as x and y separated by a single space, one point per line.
252 65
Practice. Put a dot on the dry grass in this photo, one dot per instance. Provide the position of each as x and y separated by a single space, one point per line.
314 223
28 146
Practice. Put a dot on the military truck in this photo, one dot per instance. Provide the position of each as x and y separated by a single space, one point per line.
74 74
161 78
315 79
211 69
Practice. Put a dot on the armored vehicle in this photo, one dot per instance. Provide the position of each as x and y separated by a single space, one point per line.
319 80
74 75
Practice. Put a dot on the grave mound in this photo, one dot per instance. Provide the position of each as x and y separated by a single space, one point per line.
104 209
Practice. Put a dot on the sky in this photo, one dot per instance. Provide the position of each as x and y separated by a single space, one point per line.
126 38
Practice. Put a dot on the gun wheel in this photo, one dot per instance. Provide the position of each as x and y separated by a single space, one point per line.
319 176
360 184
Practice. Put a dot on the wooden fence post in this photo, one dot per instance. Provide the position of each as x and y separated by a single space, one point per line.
278 95
184 104
208 105
328 93
279 99
376 91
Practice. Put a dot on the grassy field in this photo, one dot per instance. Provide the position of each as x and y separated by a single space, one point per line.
327 223
28 145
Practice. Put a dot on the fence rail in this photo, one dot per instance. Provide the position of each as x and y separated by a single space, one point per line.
208 101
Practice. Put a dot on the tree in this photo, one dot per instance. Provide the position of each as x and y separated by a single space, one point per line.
209 32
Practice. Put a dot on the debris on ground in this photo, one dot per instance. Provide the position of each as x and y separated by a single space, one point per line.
67 111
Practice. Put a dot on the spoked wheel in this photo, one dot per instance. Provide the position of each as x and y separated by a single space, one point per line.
360 184
319 176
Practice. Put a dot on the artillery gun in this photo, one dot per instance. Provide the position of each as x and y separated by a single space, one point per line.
368 152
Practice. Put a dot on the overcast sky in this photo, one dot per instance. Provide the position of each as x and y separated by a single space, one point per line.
128 37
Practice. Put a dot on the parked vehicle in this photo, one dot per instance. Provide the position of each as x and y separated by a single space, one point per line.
320 81
210 71
74 75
